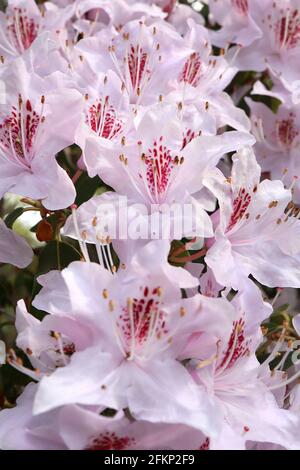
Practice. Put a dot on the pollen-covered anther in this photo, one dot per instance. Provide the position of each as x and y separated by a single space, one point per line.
182 311
55 335
158 291
105 293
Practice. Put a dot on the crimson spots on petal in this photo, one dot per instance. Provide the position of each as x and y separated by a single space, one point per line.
191 72
28 106
22 30
137 61
102 118
287 30
169 6
237 345
142 319
110 441
286 131
240 206
159 165
241 6
188 137
205 445
17 134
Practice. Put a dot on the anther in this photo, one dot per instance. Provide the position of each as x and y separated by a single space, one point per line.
105 293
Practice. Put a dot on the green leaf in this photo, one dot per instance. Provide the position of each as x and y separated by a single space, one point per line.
13 216
3 5
56 255
86 188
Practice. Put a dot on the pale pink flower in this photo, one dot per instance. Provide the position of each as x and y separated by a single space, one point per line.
255 233
156 163
278 142
138 327
78 428
106 112
238 25
145 57
23 22
278 47
202 79
38 119
230 372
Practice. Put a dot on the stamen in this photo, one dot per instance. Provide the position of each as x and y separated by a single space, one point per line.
82 244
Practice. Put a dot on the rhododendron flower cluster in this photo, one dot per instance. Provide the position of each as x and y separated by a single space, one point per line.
149 230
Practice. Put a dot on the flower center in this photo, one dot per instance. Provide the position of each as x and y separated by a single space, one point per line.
286 131
191 72
287 30
22 30
135 63
17 133
240 205
102 119
237 346
137 60
241 6
110 441
159 165
141 323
